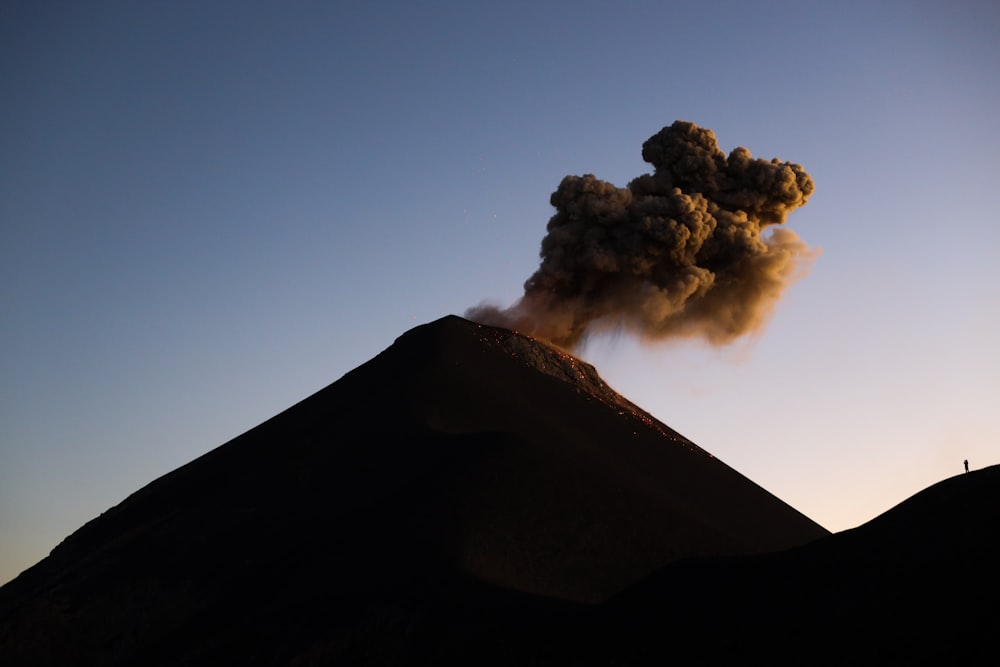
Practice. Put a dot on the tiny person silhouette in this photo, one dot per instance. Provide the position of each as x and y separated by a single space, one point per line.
966 465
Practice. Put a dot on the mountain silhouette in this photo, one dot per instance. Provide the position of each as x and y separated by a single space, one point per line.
472 495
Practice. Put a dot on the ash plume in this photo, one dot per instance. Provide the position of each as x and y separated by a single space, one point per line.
691 250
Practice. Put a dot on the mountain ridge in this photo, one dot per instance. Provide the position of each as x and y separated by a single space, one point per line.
466 483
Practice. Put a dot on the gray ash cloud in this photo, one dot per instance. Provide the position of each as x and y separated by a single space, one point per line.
694 249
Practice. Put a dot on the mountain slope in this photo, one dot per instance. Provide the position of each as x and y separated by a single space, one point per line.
464 463
916 585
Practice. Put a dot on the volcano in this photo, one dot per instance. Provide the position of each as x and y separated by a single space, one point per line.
460 490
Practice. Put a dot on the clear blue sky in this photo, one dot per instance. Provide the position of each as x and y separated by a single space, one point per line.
210 210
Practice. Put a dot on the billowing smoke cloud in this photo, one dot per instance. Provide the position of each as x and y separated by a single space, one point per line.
689 250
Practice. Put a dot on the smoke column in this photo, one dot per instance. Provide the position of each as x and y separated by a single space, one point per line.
691 250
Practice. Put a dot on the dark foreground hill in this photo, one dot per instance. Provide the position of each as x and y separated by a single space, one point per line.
473 496
918 585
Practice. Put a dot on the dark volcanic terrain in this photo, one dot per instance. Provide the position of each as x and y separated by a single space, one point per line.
471 495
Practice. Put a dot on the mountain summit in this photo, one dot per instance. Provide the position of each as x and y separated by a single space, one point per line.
462 458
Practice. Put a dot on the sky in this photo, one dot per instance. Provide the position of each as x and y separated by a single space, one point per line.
211 210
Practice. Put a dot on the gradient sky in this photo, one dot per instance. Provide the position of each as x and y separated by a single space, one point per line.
210 210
